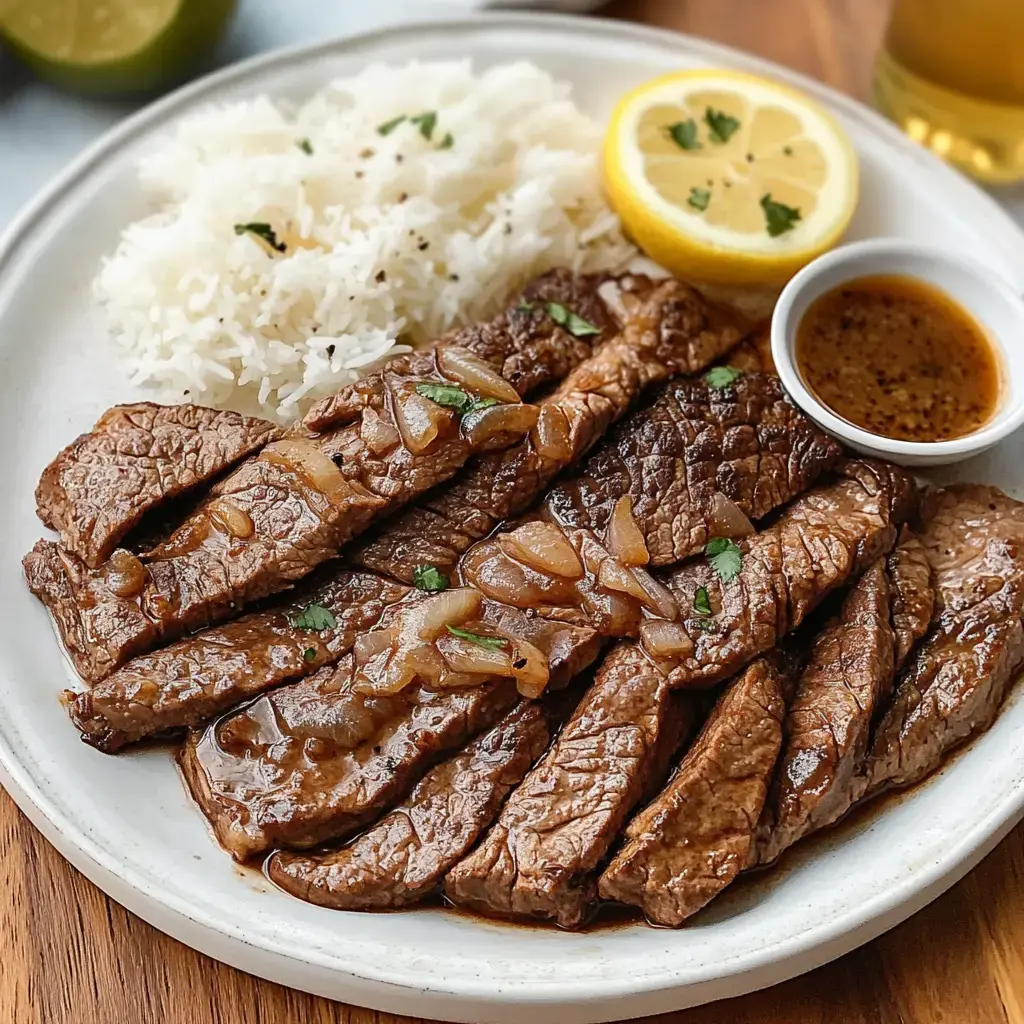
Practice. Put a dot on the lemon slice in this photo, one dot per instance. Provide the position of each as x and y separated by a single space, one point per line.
728 178
110 46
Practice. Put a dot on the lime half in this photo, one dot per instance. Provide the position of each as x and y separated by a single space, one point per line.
112 46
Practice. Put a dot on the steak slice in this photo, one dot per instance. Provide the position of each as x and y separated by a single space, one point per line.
403 858
955 682
694 446
671 329
212 671
280 514
821 541
136 458
912 597
540 858
696 836
316 760
754 353
828 723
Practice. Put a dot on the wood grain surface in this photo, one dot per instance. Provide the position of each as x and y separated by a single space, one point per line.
67 953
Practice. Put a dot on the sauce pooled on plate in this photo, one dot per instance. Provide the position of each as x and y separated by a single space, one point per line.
899 358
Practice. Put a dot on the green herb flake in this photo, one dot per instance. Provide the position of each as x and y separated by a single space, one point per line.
526 306
447 142
483 403
309 654
426 122
492 643
429 578
699 198
305 145
389 126
448 395
722 376
701 602
264 231
314 617
721 127
575 325
684 134
778 217
725 556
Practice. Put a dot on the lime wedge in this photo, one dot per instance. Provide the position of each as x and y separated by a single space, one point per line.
112 46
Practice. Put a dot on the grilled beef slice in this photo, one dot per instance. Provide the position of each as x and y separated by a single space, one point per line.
953 685
540 858
403 858
912 594
670 330
316 760
695 837
822 540
693 446
203 675
280 514
136 458
828 722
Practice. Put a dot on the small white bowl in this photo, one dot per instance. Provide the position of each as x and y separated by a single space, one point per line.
978 289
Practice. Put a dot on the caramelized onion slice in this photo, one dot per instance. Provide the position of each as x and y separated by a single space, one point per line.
544 547
727 519
530 667
377 433
625 541
466 656
429 618
638 583
665 639
306 458
512 582
419 420
498 426
469 370
124 574
550 436
230 518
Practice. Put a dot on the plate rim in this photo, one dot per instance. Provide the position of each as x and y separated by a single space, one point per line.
813 946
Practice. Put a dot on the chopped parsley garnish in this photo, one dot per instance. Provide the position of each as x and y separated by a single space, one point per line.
701 602
309 654
264 231
721 127
526 306
684 134
482 403
389 126
778 217
722 376
699 198
575 325
314 617
305 145
426 122
492 643
447 142
448 395
725 556
429 578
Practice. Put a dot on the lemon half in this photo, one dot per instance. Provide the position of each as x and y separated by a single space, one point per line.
728 178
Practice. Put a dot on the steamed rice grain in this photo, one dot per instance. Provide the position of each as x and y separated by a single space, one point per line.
390 238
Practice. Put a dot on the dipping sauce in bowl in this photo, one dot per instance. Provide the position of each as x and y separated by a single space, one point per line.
900 358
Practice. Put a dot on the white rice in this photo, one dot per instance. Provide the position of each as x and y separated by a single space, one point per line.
390 239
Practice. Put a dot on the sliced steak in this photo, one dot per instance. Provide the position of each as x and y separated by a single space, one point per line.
687 845
913 596
206 674
828 723
821 541
689 457
953 685
316 760
540 858
670 330
754 353
282 513
136 458
403 858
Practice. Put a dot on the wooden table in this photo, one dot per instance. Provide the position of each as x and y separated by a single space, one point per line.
67 953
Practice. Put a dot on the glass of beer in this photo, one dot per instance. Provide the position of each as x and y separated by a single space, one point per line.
951 74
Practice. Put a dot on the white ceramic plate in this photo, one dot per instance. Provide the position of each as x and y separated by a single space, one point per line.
126 822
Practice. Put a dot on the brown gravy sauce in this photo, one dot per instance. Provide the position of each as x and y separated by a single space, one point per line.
899 358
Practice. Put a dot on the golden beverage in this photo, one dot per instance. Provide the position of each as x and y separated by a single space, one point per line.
951 74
